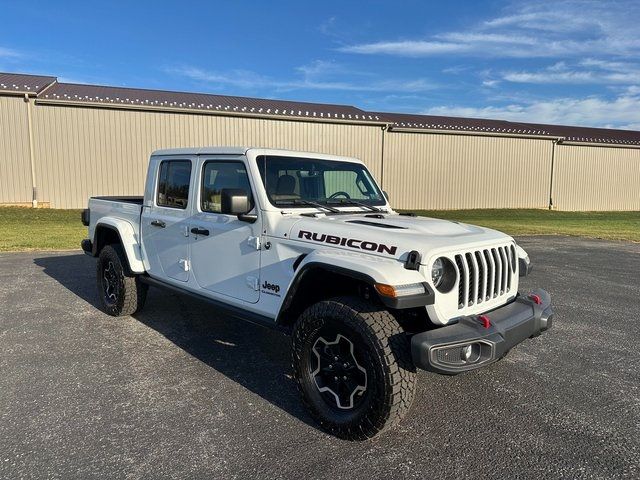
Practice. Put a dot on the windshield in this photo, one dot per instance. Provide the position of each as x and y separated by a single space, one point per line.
299 182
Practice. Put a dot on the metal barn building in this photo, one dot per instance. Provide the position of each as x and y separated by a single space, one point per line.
61 143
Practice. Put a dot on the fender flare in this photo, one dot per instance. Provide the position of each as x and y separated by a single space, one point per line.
524 263
365 268
128 240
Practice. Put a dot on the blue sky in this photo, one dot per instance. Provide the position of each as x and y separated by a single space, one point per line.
571 62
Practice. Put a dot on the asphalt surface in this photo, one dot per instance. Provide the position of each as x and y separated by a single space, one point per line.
182 392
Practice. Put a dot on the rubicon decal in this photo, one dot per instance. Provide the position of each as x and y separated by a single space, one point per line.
348 242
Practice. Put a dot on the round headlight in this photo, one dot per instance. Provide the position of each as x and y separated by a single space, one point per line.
437 272
443 274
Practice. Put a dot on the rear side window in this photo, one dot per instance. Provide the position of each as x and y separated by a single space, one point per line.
173 183
217 175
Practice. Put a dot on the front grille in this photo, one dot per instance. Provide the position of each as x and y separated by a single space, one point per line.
485 274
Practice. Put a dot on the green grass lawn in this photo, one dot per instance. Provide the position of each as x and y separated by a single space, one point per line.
48 229
607 225
40 229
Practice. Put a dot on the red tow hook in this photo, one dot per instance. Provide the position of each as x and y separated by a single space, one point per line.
486 323
536 299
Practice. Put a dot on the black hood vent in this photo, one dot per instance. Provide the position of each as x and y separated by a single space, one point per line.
375 224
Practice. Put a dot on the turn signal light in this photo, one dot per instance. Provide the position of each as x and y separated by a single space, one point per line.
386 290
395 291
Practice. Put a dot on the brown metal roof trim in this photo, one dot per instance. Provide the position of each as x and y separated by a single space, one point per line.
567 133
593 135
114 96
19 83
47 90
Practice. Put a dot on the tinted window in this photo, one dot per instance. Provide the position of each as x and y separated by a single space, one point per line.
290 179
338 182
173 183
219 175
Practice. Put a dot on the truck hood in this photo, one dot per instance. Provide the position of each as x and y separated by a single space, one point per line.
393 235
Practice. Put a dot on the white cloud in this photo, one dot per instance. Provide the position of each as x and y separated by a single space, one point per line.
328 26
469 38
541 29
415 48
326 70
319 75
621 112
456 70
9 53
588 71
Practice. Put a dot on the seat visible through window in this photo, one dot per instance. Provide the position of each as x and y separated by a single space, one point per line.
219 175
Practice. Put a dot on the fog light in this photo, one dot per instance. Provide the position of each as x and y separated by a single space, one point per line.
466 352
463 356
470 353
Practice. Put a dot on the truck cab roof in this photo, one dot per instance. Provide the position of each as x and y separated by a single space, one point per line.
202 151
243 150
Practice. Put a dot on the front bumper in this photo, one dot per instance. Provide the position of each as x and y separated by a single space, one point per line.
480 340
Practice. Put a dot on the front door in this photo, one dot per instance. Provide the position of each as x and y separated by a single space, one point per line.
225 251
165 223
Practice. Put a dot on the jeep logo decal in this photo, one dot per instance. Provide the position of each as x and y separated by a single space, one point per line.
349 242
271 288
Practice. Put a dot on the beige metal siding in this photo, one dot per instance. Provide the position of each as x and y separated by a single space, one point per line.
15 165
95 151
83 151
596 178
435 171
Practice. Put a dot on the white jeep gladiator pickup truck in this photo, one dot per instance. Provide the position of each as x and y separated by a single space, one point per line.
308 243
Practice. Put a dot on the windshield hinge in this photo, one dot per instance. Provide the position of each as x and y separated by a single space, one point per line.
253 283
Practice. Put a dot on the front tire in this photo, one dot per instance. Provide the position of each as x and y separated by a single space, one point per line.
121 292
352 363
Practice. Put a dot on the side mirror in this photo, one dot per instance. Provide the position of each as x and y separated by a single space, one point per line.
386 195
235 201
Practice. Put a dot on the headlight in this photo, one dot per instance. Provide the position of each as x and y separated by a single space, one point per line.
437 272
443 274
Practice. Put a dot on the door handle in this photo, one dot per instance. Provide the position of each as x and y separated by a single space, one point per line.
199 231
158 223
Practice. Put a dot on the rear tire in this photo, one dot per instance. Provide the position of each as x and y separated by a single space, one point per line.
121 292
352 362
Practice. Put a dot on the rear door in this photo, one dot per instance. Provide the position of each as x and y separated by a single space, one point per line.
165 222
226 255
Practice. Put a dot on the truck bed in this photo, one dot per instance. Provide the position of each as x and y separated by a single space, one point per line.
122 208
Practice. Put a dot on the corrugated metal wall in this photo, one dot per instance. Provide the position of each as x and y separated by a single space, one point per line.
84 151
94 151
438 171
15 164
596 178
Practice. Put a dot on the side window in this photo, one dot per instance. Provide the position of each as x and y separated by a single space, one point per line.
217 175
173 183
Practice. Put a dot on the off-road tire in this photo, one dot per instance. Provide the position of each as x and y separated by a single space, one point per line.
129 294
384 350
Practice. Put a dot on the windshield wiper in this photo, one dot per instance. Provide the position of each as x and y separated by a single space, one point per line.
348 201
308 202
